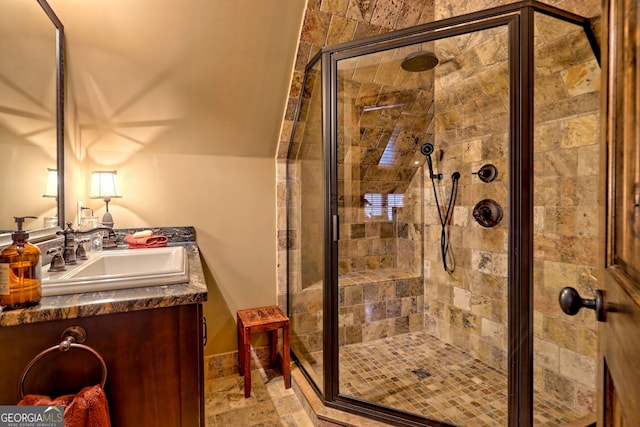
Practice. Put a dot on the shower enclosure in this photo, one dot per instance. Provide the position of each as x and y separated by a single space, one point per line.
441 190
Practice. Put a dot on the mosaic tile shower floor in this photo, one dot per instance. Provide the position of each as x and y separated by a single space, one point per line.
420 374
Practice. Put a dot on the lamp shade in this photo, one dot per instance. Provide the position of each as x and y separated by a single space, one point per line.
51 190
104 185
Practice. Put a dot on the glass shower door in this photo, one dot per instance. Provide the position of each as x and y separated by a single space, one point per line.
566 232
305 230
422 286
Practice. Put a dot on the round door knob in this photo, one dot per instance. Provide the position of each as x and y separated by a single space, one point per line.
571 302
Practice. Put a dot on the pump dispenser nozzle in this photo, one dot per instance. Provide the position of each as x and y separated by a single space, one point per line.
20 234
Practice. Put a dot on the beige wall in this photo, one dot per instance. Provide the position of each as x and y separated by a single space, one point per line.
186 99
229 200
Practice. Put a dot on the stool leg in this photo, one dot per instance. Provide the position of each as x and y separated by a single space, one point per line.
286 357
246 337
239 329
274 348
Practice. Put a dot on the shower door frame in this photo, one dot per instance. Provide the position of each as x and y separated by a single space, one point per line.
519 19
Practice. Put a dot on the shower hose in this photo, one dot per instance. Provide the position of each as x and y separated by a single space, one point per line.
445 219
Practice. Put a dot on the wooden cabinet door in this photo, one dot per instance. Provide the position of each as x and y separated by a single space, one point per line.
619 335
154 359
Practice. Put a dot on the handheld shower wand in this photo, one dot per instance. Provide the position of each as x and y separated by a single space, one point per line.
427 150
448 261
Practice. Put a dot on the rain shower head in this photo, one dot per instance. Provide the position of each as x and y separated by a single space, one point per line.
419 61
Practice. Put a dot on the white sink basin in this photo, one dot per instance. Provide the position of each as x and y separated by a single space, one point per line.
119 269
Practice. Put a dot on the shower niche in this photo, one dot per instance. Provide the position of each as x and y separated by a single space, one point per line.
404 307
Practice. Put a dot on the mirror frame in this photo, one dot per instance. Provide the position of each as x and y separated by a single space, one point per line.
37 235
59 105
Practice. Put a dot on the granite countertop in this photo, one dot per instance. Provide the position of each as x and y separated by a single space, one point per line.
118 301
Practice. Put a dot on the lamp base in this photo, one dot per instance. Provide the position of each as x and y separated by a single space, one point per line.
107 241
107 219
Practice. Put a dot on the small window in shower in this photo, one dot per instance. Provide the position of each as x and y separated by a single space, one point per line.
379 205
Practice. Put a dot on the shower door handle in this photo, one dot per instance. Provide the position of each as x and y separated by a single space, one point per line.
571 302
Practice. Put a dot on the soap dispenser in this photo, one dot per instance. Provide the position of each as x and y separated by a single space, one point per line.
20 271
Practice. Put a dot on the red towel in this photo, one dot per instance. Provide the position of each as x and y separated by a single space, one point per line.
153 241
87 408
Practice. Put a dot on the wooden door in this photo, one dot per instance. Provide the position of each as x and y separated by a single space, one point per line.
619 334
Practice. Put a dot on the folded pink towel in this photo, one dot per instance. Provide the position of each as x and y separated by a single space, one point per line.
153 241
87 408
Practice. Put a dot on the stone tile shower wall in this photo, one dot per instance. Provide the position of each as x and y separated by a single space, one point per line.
468 308
381 125
382 300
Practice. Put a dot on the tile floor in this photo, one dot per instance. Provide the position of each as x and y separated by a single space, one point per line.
413 372
270 404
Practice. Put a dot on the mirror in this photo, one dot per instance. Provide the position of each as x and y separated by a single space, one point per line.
31 114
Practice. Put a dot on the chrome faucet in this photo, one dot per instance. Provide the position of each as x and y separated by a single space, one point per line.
69 252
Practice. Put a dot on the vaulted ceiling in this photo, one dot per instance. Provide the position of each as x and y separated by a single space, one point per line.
197 77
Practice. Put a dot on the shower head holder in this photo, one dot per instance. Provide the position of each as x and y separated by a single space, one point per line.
432 175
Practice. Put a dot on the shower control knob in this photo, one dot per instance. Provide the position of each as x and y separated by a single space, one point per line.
488 213
487 173
571 302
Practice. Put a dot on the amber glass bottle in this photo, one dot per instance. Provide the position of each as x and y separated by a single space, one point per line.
20 271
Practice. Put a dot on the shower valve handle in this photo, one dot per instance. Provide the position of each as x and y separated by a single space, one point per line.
571 302
487 173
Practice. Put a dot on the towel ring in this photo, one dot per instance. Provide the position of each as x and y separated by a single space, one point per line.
69 338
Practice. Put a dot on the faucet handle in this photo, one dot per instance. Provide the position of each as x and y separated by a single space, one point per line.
56 250
57 262
81 253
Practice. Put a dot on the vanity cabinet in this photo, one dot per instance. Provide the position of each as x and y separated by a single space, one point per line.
154 360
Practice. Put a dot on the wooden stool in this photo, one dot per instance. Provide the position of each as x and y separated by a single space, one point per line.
258 320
